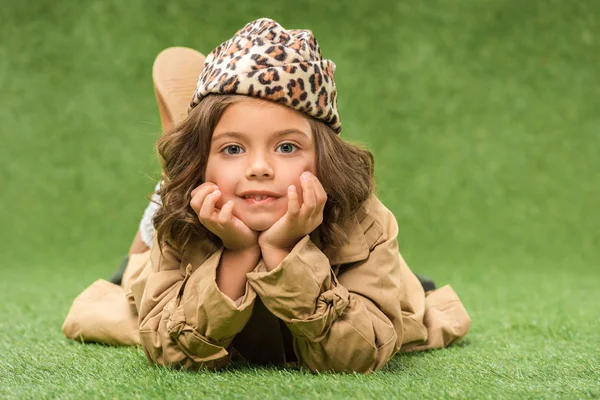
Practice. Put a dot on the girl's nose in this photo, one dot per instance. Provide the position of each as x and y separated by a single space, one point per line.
259 168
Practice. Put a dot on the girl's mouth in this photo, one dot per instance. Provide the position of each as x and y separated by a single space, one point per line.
259 201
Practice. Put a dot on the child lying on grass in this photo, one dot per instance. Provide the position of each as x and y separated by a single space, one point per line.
270 245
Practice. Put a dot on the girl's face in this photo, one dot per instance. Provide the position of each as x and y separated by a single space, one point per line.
260 148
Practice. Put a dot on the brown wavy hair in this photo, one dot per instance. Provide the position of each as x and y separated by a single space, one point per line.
345 170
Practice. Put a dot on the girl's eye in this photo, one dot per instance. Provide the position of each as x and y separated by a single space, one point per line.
237 149
233 149
287 147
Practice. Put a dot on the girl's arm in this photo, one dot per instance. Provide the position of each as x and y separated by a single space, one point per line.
231 273
185 320
349 323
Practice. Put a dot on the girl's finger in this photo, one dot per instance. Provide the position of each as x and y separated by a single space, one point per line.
293 202
201 192
206 186
320 194
308 195
226 212
208 207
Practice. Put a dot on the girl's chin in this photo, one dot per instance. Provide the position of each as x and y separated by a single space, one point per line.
259 221
258 224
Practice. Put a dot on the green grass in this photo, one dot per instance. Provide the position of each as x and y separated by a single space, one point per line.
483 118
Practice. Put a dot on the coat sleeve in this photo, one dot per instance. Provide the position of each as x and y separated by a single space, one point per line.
352 322
184 319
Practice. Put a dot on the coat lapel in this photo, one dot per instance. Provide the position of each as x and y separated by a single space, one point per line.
356 249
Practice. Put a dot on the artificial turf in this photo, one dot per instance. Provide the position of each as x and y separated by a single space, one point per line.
484 120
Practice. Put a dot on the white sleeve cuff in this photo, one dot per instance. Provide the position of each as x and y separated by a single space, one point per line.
146 225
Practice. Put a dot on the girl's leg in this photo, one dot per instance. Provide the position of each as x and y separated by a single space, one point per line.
175 74
138 245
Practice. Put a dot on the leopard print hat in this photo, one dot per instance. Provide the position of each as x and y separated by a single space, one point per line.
265 60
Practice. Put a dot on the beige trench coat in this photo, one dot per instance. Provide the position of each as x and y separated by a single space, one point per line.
349 309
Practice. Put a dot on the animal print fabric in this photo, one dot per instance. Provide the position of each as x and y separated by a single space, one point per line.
265 60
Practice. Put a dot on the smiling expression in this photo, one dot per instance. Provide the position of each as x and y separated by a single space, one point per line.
260 148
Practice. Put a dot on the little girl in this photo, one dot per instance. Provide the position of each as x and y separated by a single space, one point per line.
269 243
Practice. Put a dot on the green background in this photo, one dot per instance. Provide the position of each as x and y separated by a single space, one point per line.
484 120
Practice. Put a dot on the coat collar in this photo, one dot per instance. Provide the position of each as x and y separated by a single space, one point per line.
356 249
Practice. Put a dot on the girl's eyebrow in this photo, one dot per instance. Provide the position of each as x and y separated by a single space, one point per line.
238 135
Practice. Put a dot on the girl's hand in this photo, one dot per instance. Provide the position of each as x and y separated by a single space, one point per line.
299 220
233 232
